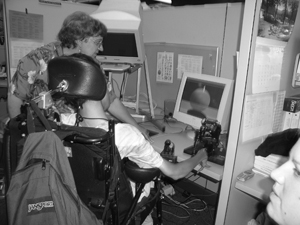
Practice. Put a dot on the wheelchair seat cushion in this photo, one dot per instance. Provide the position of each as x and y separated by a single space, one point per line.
84 77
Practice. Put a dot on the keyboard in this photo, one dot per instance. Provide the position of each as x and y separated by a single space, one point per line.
115 67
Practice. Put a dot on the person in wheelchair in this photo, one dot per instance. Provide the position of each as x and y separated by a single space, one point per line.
129 140
79 33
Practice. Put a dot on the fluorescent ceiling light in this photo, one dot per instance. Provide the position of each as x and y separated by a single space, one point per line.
165 1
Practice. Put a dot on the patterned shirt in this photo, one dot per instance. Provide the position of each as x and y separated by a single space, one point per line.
31 76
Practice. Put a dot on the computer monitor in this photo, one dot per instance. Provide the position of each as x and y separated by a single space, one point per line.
203 96
124 41
122 46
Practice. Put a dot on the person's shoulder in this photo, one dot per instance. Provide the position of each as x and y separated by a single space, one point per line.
53 45
48 48
45 52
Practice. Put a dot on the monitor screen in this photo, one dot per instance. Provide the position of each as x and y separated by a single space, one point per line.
119 44
203 96
123 46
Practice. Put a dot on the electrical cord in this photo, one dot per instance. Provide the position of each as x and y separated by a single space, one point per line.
122 86
175 215
190 205
185 206
115 82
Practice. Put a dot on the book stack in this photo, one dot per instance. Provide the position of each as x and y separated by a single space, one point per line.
291 113
265 165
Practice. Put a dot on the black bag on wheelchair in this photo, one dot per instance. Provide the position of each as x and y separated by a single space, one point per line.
100 179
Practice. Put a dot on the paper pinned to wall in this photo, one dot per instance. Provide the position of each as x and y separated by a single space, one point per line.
164 71
278 106
258 115
189 63
268 60
26 25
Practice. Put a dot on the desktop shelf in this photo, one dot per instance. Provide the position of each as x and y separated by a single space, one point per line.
258 186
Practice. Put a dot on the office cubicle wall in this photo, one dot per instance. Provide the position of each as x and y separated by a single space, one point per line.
209 56
235 206
211 26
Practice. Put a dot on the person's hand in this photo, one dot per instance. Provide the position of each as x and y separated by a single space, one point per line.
203 161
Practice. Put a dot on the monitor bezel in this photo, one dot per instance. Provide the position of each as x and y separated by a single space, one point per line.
224 108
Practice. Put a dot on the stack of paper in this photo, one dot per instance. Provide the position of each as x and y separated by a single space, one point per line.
265 165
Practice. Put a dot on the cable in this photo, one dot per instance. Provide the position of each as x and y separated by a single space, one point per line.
188 205
175 215
197 210
185 207
122 85
114 81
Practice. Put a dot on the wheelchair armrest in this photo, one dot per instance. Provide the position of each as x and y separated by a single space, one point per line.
140 175
85 140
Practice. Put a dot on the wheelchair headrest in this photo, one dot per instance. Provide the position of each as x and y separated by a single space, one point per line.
80 75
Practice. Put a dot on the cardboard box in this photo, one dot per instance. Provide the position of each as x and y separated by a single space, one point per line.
291 104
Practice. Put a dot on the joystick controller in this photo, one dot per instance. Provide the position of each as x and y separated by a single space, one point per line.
168 151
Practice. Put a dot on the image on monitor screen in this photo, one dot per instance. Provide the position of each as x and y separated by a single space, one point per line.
203 96
201 99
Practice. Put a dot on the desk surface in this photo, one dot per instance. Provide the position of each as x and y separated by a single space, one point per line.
181 141
258 186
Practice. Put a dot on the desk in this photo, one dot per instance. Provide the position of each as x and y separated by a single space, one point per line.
212 173
181 141
258 186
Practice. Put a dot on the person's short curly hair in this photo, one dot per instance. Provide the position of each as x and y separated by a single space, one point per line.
79 26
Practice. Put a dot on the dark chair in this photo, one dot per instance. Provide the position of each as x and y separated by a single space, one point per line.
101 177
80 78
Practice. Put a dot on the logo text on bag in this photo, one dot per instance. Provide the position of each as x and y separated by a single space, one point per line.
40 205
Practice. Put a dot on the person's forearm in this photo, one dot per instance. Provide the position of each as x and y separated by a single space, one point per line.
181 169
14 105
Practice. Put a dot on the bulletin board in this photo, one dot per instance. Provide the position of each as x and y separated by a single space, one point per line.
209 54
162 91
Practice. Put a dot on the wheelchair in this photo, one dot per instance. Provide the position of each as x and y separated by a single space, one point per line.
102 178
